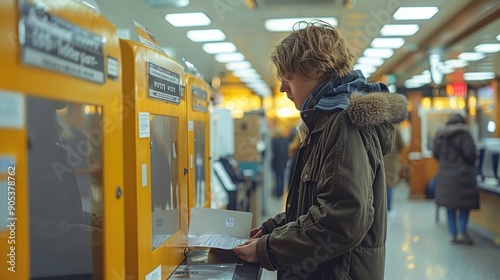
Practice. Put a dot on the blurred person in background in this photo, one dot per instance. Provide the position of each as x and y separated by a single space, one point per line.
279 146
393 170
456 185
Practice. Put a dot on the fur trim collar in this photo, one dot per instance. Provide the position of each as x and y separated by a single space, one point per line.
377 108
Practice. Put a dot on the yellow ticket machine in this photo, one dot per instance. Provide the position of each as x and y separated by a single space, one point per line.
155 158
198 97
60 142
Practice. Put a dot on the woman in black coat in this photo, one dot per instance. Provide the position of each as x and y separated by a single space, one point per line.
456 185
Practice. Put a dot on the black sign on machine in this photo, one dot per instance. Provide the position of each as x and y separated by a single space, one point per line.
200 102
50 42
163 84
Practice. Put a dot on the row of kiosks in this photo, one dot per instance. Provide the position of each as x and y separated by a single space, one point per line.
103 148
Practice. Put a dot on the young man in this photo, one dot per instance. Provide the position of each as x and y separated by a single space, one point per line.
334 226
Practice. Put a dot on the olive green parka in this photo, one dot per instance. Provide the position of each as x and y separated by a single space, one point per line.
334 226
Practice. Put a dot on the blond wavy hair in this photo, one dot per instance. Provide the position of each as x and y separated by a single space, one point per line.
313 48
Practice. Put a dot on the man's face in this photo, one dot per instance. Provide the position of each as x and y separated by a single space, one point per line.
298 88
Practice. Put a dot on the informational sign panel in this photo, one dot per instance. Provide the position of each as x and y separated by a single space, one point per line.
163 84
147 37
200 102
52 43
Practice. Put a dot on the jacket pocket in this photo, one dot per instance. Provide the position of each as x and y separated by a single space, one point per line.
309 186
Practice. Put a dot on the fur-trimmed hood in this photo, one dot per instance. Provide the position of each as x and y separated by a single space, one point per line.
370 109
377 108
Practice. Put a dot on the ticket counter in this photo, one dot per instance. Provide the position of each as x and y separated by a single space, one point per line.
60 140
155 161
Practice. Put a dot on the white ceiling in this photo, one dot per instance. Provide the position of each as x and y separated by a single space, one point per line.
244 27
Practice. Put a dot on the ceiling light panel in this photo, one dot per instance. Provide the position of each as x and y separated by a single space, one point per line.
167 3
487 48
415 13
286 24
207 35
392 43
381 53
399 29
238 65
223 47
471 56
257 84
375 61
250 72
456 63
188 19
411 83
251 80
229 57
478 76
365 68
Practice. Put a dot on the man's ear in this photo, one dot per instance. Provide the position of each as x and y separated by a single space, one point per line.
318 75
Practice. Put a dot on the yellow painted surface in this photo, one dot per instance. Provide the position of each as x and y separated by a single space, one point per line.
32 81
204 117
141 259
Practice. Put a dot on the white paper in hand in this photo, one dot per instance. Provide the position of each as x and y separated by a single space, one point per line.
215 228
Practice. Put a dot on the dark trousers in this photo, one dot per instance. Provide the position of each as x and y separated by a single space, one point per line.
463 218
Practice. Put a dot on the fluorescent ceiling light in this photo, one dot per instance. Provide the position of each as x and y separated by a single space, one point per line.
392 43
412 83
471 56
399 29
447 69
286 24
251 80
188 19
247 75
375 61
257 85
382 53
207 35
238 65
168 3
456 63
422 78
415 13
487 48
223 47
229 57
250 72
365 68
478 76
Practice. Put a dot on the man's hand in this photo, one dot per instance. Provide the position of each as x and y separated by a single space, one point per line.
256 233
248 251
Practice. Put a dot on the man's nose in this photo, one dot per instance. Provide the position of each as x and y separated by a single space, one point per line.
283 87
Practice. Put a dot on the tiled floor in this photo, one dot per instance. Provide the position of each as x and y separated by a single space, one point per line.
420 249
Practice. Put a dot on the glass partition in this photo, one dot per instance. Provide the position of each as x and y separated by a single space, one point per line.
431 121
164 178
65 189
200 162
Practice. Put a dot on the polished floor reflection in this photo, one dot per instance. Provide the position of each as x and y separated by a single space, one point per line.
418 248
